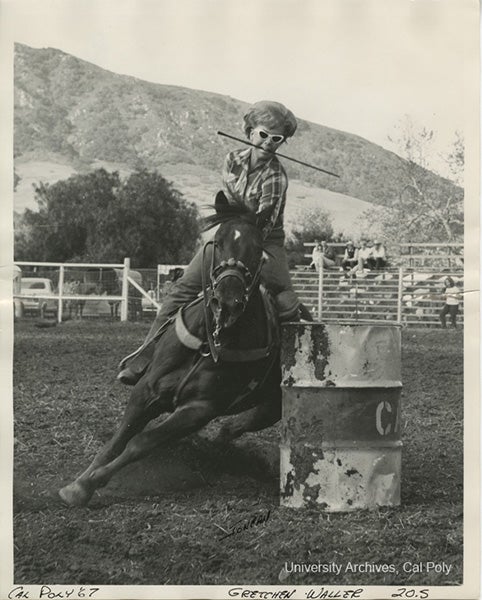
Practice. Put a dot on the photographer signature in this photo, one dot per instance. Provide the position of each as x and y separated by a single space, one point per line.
243 525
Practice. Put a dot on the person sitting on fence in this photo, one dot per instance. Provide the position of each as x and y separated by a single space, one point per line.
322 255
350 257
378 258
316 257
452 300
365 253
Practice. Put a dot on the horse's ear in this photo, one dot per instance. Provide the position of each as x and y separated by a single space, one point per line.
221 201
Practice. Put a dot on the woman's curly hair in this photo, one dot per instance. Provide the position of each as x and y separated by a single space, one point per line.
272 115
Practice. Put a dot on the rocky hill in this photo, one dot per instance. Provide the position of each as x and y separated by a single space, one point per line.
71 115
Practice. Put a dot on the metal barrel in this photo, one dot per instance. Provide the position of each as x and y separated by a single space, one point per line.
341 389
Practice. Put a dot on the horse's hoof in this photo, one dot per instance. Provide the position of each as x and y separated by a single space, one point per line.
75 494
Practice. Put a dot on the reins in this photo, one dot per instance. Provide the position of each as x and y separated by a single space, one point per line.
206 293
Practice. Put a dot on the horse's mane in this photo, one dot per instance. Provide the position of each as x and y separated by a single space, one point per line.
228 212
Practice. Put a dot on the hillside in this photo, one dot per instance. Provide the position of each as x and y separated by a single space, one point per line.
198 185
70 114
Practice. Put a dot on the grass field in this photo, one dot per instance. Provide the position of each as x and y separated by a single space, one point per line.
159 522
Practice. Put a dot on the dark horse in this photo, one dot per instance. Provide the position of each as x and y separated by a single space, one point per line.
219 356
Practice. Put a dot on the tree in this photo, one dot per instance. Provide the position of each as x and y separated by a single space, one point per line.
66 223
100 218
151 223
455 159
420 212
315 224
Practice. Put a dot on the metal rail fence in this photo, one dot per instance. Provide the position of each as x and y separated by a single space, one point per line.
398 295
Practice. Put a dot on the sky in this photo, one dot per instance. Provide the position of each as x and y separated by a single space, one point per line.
354 65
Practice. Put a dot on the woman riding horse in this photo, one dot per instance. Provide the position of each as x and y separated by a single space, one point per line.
253 177
219 357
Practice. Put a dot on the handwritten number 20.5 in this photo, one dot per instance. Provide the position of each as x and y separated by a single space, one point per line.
410 593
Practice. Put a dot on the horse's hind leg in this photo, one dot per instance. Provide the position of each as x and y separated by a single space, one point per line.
139 412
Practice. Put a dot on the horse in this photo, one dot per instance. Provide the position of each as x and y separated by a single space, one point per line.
218 356
111 283
75 307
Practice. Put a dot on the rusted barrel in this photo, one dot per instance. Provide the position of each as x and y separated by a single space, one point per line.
340 447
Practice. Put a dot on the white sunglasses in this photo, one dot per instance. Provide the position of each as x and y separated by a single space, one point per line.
275 137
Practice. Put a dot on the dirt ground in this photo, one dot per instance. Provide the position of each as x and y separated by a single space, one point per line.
162 519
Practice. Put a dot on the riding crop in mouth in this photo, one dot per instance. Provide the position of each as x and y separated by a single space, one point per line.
300 162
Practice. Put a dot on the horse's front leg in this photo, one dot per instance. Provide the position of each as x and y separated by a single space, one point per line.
139 412
185 420
260 417
263 415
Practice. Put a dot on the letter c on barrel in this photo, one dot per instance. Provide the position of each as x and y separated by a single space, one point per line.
387 406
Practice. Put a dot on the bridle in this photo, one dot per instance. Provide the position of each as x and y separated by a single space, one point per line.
226 268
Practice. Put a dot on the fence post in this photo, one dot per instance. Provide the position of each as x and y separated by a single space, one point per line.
320 290
158 281
125 290
400 291
61 293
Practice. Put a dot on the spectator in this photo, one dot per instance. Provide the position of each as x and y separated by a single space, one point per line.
316 257
452 299
364 255
350 257
379 257
322 255
329 257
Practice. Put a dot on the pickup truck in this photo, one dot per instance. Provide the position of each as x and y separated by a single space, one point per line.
38 286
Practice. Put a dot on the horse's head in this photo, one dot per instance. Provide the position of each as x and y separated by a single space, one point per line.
236 264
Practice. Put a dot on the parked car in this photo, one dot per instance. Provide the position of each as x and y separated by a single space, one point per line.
38 286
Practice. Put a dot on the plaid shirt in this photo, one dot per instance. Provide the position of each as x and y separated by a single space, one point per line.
259 189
